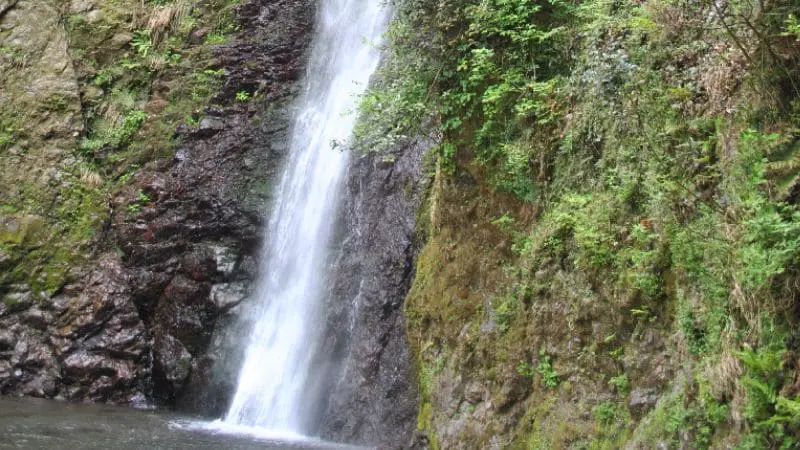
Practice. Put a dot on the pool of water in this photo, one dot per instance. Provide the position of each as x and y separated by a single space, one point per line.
46 424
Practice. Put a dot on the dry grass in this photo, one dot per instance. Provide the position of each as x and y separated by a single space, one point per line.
723 376
721 75
165 20
90 179
156 62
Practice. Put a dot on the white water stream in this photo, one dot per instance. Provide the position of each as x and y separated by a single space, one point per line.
277 361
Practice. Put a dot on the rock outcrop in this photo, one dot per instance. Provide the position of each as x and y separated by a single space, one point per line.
134 322
372 398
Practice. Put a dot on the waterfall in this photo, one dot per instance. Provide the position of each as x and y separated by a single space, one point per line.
277 360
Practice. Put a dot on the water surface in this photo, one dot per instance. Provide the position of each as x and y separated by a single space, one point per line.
46 424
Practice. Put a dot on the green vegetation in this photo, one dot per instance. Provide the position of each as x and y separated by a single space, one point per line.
546 371
612 170
242 96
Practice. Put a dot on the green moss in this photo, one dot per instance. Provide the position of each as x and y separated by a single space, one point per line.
21 229
424 417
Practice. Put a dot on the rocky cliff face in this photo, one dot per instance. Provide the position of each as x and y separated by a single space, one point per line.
371 396
127 314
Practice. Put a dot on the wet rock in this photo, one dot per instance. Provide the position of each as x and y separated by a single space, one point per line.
6 372
101 387
375 402
6 340
36 318
187 256
16 302
226 296
40 386
35 353
185 291
172 361
84 364
225 258
90 335
215 203
139 400
200 265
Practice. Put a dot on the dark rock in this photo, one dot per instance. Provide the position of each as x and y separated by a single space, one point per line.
184 291
226 296
40 386
82 344
137 326
85 365
37 318
225 259
374 399
6 340
16 302
171 361
6 372
219 186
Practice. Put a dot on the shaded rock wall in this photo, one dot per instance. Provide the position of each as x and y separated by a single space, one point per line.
371 396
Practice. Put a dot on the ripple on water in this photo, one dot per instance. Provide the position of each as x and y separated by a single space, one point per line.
286 438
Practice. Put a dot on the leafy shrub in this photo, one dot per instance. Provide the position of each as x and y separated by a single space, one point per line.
546 370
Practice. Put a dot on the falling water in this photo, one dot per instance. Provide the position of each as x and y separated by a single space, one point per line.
277 360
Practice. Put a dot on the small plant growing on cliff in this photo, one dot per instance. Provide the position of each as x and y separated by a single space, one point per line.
546 370
605 412
505 222
243 96
141 42
141 200
215 38
5 138
792 27
525 369
620 382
